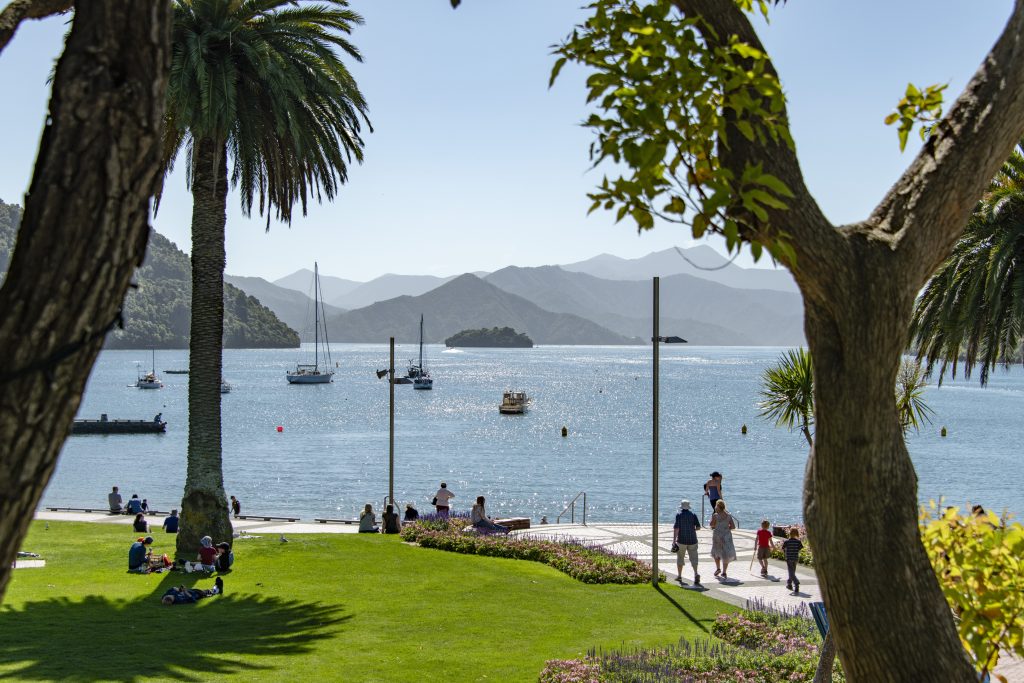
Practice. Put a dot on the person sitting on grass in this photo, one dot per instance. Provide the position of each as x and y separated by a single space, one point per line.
225 557
138 555
183 595
114 500
368 521
171 522
392 525
208 554
411 513
480 519
140 525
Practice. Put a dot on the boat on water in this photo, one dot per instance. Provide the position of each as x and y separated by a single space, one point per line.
175 372
149 380
306 373
107 426
514 403
225 388
421 379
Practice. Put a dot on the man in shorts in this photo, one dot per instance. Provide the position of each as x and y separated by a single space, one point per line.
442 500
684 538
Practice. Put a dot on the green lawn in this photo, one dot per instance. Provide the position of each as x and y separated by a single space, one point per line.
321 607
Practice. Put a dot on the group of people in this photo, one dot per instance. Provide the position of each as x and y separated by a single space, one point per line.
723 549
442 504
133 507
211 557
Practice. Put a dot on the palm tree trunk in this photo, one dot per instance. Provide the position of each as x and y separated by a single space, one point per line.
82 236
204 510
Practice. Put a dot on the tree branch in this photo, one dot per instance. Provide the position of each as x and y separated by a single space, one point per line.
810 232
19 10
937 193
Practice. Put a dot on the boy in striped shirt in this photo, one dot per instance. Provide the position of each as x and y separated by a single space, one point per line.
792 548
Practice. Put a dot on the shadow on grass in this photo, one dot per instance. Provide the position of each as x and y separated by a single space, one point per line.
98 638
693 620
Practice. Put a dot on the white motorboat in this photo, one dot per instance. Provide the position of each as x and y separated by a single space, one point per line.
225 388
514 403
313 373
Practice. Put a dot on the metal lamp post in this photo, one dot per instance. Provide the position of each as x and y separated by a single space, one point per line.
655 339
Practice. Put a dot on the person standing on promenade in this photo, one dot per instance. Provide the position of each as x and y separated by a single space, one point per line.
114 500
792 548
236 507
442 500
684 538
713 489
764 544
723 551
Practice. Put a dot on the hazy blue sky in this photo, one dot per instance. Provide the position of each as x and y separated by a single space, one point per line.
475 164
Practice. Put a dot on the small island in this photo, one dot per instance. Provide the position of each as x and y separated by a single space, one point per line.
498 337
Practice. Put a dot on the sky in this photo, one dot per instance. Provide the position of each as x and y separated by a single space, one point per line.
475 164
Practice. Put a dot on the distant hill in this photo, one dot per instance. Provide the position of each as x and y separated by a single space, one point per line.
703 312
302 281
387 287
499 338
669 262
156 314
467 302
295 309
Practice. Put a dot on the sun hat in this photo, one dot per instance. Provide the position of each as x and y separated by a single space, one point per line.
206 541
684 504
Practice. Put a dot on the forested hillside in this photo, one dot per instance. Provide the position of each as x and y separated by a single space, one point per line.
156 314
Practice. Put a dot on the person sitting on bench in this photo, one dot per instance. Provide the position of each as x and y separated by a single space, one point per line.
114 500
480 519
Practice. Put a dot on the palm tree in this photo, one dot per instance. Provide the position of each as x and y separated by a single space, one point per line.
257 85
787 394
972 310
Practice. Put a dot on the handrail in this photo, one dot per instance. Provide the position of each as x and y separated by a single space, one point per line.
571 509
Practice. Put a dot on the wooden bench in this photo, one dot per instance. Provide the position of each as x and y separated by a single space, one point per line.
513 523
107 511
324 520
268 518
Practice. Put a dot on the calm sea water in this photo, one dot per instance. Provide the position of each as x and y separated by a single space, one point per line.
332 455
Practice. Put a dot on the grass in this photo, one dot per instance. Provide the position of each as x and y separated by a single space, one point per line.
354 607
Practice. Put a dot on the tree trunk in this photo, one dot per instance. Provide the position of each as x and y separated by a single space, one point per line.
82 236
204 508
860 498
826 660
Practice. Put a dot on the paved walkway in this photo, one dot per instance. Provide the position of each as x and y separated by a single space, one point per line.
744 582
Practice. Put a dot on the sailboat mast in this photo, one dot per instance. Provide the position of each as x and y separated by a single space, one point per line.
316 314
421 343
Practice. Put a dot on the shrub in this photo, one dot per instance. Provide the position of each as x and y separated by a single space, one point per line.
585 563
979 561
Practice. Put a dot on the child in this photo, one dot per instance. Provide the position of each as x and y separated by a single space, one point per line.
792 548
764 546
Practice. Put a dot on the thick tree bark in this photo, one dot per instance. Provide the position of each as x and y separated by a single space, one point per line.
82 236
204 508
826 660
889 618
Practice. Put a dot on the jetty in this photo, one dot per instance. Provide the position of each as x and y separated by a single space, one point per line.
107 426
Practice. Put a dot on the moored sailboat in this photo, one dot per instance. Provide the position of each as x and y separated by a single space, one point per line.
421 379
306 373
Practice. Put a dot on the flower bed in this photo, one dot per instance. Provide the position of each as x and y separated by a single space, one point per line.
761 645
582 562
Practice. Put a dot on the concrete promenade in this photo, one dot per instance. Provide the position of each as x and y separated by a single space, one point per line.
744 582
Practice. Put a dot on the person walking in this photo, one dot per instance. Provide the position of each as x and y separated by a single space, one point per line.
442 500
684 540
764 545
236 507
723 550
792 548
713 489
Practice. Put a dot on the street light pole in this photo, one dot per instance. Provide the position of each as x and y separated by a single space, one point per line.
654 446
391 427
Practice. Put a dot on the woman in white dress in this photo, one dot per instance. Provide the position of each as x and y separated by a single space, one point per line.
723 551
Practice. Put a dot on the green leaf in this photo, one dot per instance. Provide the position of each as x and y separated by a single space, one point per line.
555 70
